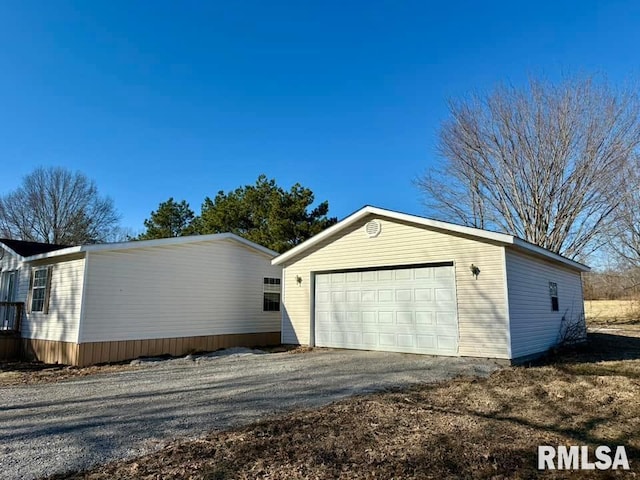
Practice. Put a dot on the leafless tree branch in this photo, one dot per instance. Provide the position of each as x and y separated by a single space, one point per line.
544 162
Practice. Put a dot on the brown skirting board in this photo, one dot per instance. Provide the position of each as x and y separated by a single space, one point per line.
102 352
9 347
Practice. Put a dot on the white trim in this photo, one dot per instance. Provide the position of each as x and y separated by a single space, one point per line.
312 307
436 224
83 297
506 300
11 251
283 309
153 243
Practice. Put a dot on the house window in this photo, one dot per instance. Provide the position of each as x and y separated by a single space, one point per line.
271 294
553 292
39 289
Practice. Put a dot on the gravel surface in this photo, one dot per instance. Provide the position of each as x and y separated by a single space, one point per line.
53 428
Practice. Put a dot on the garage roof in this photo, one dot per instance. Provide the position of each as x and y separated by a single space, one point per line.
477 233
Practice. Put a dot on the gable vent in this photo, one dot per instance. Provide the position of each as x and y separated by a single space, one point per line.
373 228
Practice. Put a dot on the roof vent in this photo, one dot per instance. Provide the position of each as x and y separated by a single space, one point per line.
373 228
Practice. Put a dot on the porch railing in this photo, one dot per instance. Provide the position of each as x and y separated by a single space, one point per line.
11 317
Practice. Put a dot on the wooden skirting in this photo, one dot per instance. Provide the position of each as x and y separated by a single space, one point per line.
49 351
9 347
104 352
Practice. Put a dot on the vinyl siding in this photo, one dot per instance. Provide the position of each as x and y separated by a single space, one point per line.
204 288
482 311
534 326
65 297
10 262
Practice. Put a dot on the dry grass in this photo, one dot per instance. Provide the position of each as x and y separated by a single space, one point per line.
612 312
465 428
29 373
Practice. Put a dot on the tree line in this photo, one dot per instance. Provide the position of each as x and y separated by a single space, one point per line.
264 213
55 205
554 163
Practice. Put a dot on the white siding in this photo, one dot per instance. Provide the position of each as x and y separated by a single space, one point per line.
65 298
482 311
10 262
204 288
534 326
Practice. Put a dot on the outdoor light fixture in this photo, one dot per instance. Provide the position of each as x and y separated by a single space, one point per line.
299 279
475 271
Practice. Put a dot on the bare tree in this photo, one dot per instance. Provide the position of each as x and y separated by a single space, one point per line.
54 205
544 162
625 241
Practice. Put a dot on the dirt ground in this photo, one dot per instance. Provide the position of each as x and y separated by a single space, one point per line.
29 373
465 428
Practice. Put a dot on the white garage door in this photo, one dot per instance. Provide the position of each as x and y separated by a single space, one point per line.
409 310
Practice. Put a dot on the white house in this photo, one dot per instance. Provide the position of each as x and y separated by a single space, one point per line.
110 302
382 280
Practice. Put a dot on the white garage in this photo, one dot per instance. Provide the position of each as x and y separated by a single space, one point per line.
411 309
383 280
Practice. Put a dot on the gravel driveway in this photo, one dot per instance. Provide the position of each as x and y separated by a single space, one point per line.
53 428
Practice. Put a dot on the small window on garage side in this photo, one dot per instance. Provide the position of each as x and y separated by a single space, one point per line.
271 294
553 293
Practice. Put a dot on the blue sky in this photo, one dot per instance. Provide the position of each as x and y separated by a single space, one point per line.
154 99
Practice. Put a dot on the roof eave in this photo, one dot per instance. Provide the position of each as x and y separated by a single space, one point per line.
12 251
55 253
152 243
367 210
500 238
531 248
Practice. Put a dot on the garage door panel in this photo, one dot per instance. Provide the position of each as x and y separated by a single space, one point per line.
426 342
406 274
387 339
423 294
353 296
370 339
368 276
368 296
384 275
405 310
403 295
369 317
446 318
353 277
385 296
322 298
424 318
444 295
337 277
422 273
446 343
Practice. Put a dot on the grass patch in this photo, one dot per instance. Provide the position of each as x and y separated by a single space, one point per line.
464 428
612 312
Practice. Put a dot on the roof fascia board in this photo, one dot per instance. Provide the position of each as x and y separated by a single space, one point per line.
501 238
153 243
354 217
11 251
530 247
